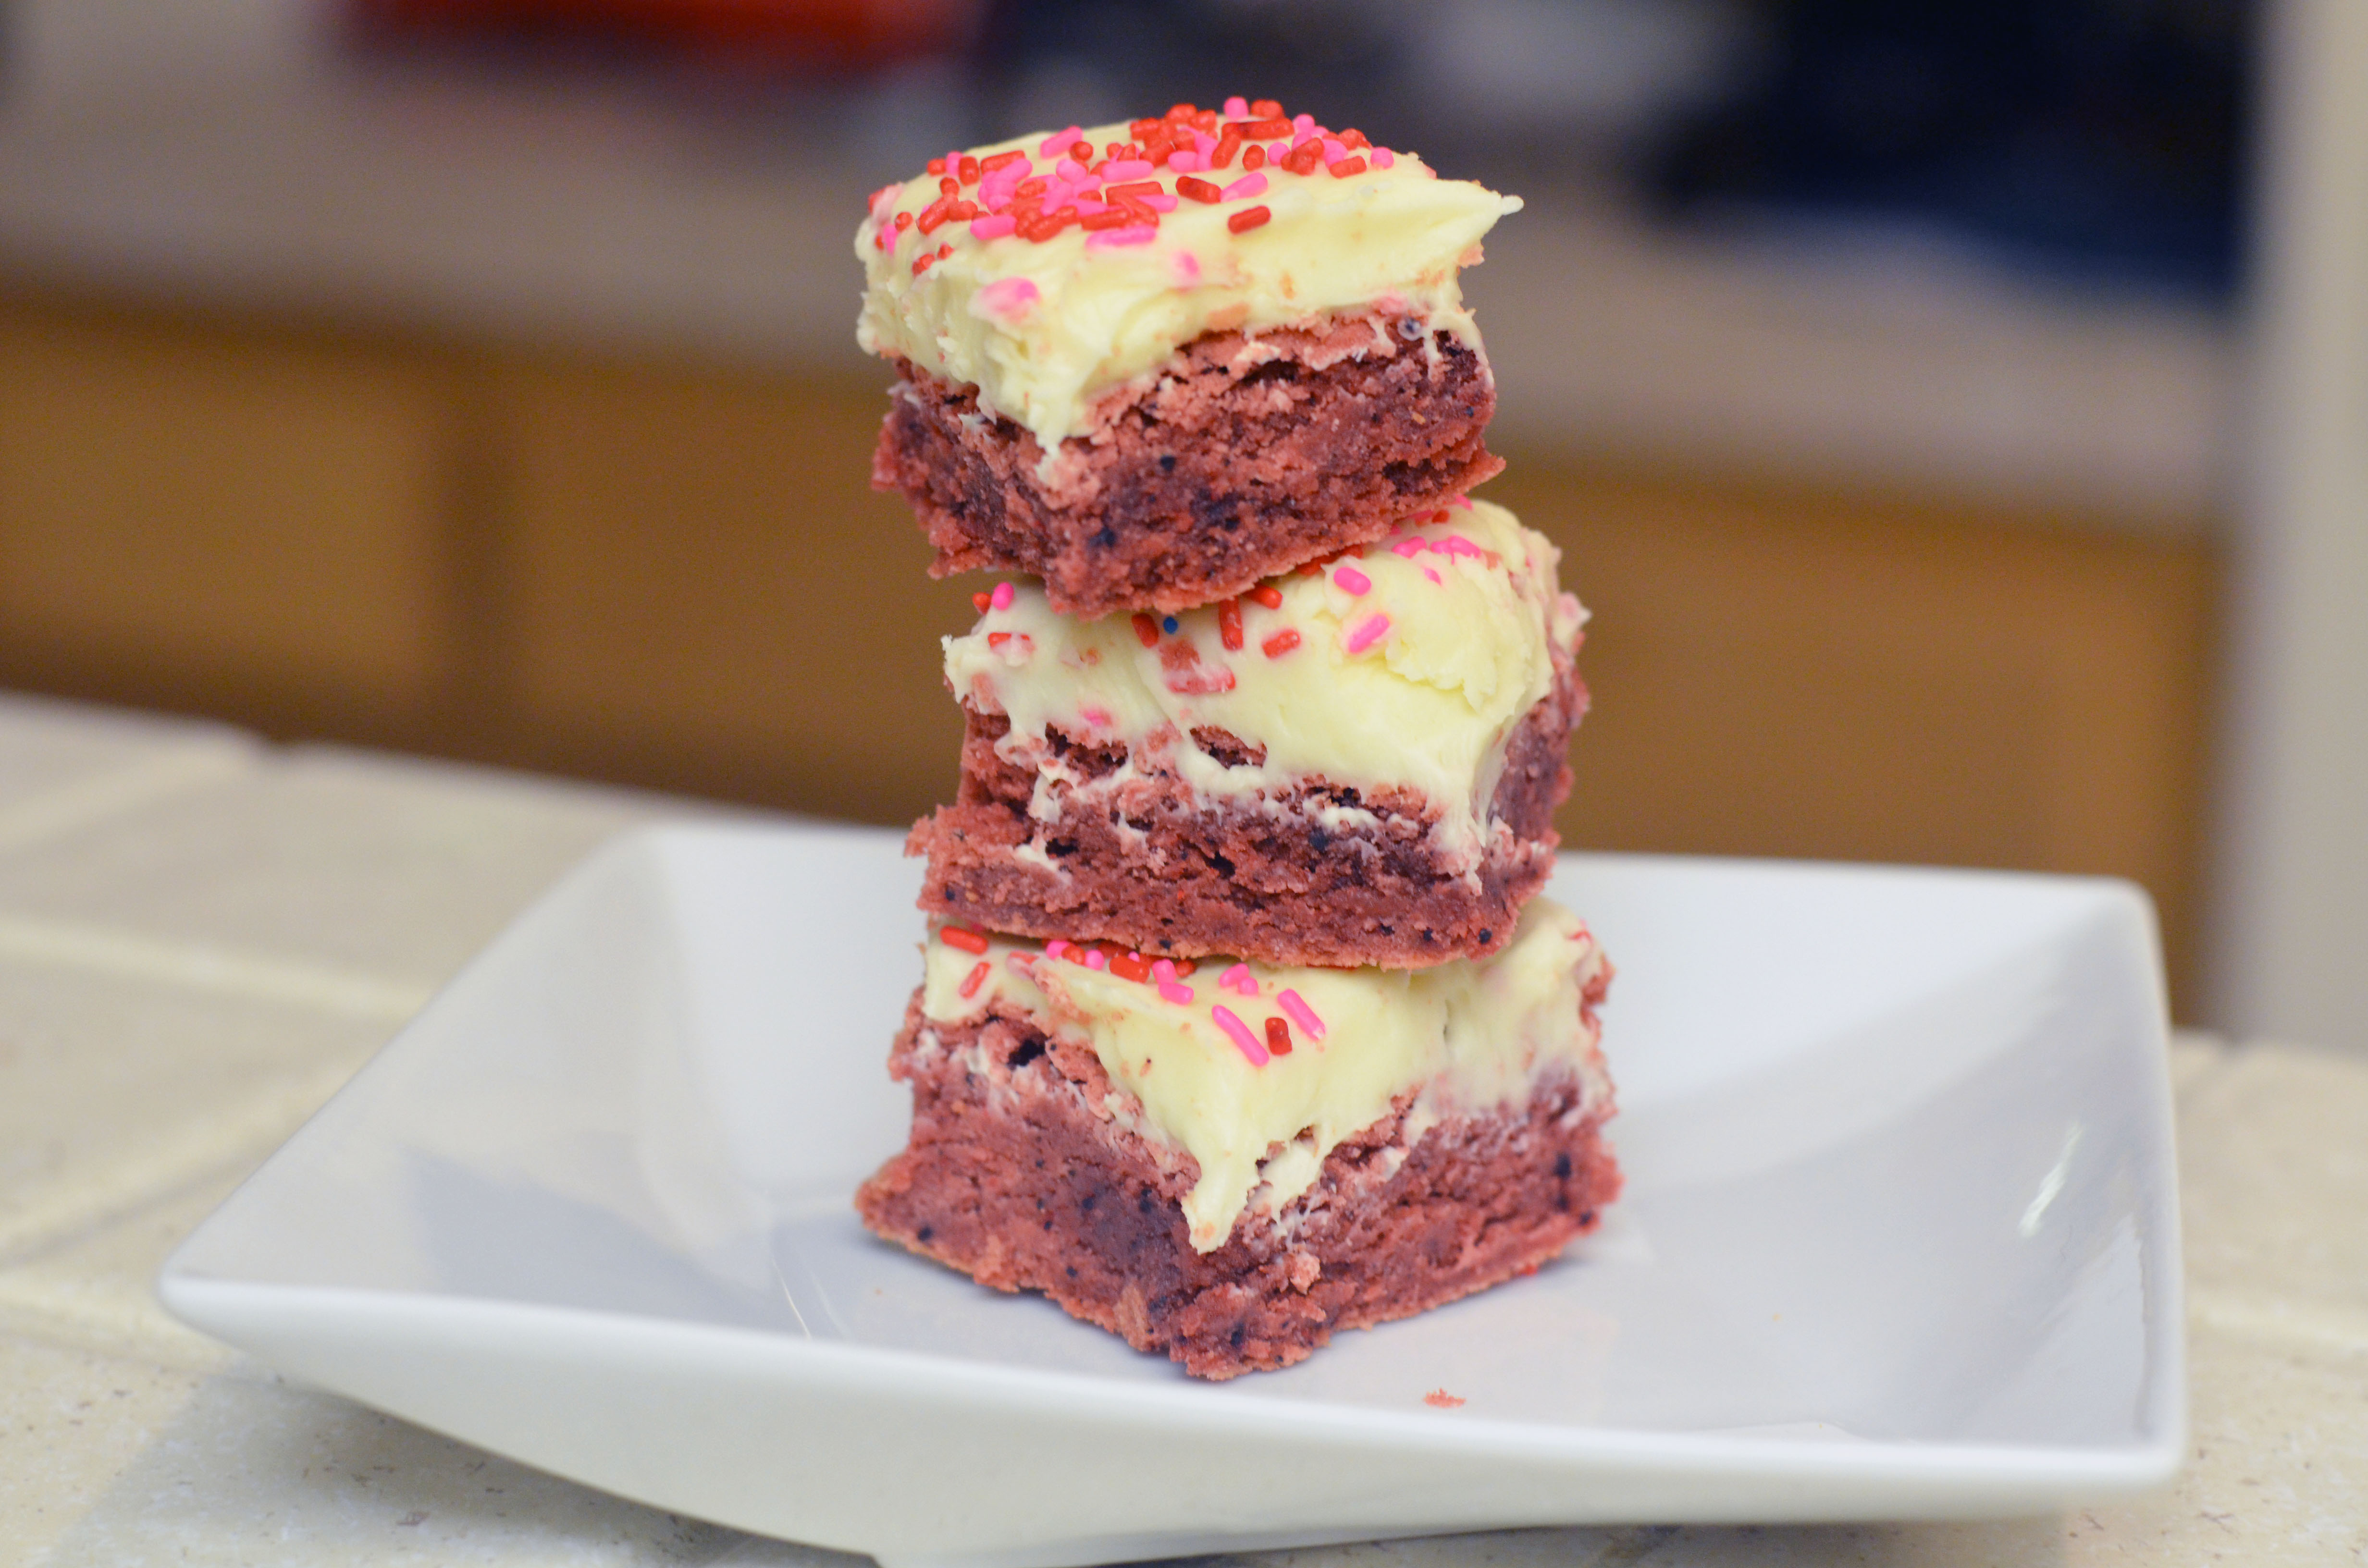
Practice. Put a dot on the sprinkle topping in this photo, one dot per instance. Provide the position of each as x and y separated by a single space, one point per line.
1115 191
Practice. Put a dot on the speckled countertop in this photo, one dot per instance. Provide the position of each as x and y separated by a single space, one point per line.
200 938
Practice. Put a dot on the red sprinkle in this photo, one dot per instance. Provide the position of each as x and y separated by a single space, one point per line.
1266 109
1146 630
998 639
961 936
904 222
1282 642
1248 217
1131 966
1198 190
936 165
1255 158
972 981
988 165
1354 140
1278 1036
1268 595
950 187
969 169
1041 229
1302 159
923 262
981 600
1229 624
1184 967
1083 151
1132 188
1267 130
1346 167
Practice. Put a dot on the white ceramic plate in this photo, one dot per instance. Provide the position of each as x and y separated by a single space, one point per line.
1899 1238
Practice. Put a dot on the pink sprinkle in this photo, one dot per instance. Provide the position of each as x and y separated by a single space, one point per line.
1382 158
1184 163
1095 958
1274 155
1001 598
1303 123
1185 268
1171 992
1352 581
1370 633
1202 143
1407 548
1157 200
1020 964
1125 169
1006 299
1248 184
1099 716
1091 207
1055 948
1239 1033
1302 1015
1333 150
1463 501
1161 969
1237 108
1115 239
1304 135
1432 574
1239 979
1053 146
994 226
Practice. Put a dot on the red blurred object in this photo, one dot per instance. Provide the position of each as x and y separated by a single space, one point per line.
762 32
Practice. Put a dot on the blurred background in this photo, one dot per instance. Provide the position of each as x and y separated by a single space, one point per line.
477 377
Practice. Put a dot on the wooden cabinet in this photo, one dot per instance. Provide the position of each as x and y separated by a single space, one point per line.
678 576
200 511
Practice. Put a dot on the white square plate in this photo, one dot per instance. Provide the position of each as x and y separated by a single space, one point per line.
1899 1239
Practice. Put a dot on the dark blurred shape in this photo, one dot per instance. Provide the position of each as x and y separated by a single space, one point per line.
2099 137
1501 89
799 35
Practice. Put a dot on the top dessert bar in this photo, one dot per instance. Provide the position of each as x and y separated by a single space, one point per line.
1157 361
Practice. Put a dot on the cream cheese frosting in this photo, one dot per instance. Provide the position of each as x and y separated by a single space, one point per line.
1045 326
1193 1049
1408 663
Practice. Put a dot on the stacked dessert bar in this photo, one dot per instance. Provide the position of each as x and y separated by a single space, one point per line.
1242 1021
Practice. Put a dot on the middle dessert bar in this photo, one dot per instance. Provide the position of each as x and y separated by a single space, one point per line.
1357 764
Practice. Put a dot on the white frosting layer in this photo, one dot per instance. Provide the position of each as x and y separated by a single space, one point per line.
1463 1036
1416 660
1043 329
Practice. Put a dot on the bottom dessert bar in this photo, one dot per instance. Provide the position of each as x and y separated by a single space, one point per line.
1113 1143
